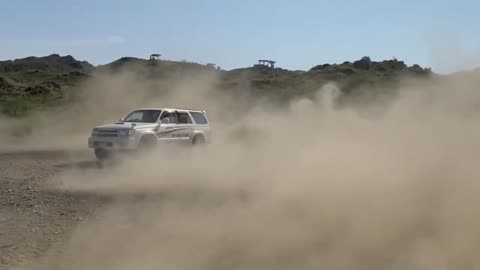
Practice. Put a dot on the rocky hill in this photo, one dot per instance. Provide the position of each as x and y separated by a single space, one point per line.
51 63
35 82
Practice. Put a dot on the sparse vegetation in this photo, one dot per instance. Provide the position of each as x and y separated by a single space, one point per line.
34 83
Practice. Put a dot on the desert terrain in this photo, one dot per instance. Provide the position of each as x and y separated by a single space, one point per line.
359 165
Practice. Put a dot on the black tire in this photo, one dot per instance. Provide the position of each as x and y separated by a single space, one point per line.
198 140
147 143
102 154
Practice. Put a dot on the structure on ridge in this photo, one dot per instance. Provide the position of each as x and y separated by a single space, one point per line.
265 63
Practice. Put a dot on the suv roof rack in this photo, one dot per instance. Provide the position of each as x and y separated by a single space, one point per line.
173 109
194 110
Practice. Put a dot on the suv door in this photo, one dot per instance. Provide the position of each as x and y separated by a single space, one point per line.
168 125
184 129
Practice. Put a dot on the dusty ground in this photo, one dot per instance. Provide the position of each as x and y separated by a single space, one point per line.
41 226
34 220
395 192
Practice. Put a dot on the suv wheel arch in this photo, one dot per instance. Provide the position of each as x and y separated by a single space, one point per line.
198 139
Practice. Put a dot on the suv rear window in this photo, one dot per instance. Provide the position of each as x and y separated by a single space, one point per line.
199 118
183 118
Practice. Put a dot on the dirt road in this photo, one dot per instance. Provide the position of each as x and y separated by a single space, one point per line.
46 226
34 219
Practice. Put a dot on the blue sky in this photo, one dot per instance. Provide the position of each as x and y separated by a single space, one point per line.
298 34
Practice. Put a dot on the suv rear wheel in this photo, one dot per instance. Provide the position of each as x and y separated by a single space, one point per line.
198 140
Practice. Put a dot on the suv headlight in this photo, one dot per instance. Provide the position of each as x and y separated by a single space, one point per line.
126 132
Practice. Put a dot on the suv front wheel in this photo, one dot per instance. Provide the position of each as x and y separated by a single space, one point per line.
102 154
147 143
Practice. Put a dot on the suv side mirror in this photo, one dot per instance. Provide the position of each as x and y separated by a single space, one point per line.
165 121
121 119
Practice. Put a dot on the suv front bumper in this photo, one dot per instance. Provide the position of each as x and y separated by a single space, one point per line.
116 143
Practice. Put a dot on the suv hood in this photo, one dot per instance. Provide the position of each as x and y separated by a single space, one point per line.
127 125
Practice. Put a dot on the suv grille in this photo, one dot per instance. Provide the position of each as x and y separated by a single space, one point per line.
107 133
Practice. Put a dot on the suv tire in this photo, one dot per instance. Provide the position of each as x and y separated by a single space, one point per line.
198 140
102 154
147 143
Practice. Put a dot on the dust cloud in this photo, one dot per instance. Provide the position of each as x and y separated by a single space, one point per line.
105 98
307 186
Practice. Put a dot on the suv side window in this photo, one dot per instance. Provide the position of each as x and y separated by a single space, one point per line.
183 118
170 116
199 118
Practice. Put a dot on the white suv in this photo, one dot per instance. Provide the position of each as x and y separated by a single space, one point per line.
145 128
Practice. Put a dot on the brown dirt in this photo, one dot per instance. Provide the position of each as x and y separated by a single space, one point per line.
33 219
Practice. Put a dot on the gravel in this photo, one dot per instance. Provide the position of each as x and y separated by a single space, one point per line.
34 219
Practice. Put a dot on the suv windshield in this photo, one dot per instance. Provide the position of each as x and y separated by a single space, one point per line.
146 116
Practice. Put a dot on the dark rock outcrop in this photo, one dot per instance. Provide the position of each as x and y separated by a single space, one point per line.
364 63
